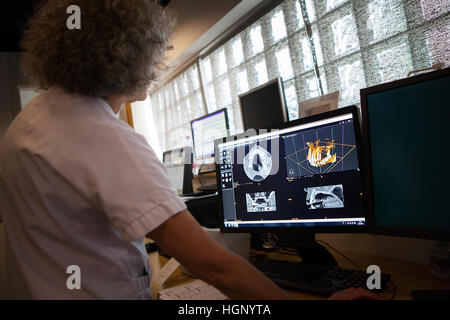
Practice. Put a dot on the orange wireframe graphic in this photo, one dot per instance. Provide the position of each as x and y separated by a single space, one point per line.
320 155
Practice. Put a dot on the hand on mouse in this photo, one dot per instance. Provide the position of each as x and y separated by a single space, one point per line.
354 294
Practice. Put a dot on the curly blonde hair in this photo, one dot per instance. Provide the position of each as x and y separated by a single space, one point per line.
118 50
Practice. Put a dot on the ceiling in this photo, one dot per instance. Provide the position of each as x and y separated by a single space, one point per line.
194 18
199 23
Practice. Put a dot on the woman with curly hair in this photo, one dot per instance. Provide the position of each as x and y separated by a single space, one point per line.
79 189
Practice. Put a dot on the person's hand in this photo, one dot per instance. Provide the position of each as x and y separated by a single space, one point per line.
354 294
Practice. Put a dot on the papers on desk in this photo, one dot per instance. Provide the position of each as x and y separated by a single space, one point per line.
195 290
163 275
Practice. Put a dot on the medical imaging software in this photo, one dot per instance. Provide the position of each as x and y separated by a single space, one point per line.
304 175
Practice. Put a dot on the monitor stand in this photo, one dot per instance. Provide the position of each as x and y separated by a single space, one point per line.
309 250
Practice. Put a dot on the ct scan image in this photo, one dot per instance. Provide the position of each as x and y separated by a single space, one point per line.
257 163
325 197
261 201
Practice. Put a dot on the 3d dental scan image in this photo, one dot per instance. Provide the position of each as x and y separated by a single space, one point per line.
278 178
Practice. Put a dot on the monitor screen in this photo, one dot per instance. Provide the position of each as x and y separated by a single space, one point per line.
264 106
304 176
207 129
178 165
407 131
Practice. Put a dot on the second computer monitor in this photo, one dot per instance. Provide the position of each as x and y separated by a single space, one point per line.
264 107
406 134
206 129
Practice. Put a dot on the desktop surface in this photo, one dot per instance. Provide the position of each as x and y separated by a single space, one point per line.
407 276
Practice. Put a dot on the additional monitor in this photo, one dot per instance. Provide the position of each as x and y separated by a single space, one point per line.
207 129
406 131
264 107
303 177
318 105
178 163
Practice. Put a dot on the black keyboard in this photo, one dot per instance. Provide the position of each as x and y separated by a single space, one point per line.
321 280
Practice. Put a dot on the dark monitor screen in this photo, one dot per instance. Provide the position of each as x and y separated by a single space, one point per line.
304 177
264 106
178 164
407 131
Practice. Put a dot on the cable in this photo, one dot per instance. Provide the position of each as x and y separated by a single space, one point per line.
337 251
394 289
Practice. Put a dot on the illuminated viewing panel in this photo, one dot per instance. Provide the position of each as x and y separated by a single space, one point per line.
207 129
306 175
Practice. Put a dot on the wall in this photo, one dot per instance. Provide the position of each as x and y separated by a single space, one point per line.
194 18
144 124
5 120
5 99
9 76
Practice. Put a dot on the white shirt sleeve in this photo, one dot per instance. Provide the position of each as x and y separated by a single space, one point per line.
132 185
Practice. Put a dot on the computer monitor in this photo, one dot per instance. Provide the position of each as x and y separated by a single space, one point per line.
303 178
206 129
324 103
178 164
264 107
406 130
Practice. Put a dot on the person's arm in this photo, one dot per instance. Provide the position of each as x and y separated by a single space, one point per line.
183 238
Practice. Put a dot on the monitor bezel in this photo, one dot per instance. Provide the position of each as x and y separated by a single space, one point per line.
187 167
227 125
280 86
299 230
186 154
370 219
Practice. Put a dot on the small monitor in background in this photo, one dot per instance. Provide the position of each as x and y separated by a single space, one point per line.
405 126
264 107
206 129
318 105
178 163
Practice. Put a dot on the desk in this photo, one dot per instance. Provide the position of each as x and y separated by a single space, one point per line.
205 179
407 276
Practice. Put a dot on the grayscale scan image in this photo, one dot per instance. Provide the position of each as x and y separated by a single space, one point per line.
325 197
261 201
257 163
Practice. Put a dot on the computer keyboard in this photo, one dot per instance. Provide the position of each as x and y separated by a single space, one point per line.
321 280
